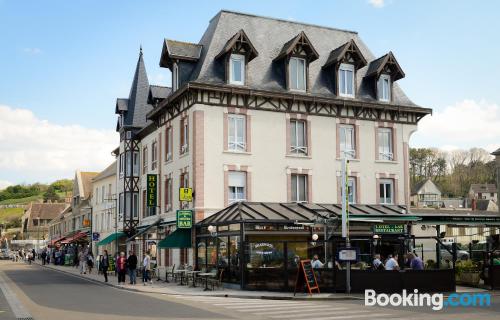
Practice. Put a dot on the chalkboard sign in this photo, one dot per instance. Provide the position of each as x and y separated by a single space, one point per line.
305 275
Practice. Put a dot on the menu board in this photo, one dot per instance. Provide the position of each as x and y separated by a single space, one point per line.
305 275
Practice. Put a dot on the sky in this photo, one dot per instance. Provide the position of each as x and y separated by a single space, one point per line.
64 63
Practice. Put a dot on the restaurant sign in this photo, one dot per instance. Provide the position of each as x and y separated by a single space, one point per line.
152 187
184 219
186 194
389 228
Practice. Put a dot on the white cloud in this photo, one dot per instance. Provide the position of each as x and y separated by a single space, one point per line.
4 184
33 51
37 150
464 125
377 3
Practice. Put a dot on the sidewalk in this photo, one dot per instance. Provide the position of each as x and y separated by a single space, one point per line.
172 288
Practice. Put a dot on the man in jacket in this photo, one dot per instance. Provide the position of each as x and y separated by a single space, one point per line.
104 265
132 266
146 267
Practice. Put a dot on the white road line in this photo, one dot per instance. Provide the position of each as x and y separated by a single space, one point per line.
314 315
258 303
16 306
310 311
273 309
357 316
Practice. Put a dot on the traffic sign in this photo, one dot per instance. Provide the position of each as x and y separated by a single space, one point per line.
186 194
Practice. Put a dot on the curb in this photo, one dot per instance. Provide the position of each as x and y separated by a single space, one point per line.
221 295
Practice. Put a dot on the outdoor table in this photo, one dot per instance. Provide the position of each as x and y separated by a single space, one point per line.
181 271
206 275
194 275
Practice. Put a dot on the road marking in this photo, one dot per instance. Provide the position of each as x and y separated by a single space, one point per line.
311 314
310 311
355 316
19 311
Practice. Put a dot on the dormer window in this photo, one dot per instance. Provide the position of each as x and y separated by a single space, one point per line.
384 88
237 69
346 80
297 74
175 77
296 55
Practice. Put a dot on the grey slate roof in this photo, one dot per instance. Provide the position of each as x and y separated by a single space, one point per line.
269 37
376 66
496 152
121 105
337 54
108 172
158 93
483 188
137 105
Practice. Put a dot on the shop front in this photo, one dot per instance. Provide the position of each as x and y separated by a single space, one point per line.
259 246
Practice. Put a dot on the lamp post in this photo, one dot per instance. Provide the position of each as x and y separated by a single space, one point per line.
38 236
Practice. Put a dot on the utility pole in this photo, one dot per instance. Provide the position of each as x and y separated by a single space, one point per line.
345 218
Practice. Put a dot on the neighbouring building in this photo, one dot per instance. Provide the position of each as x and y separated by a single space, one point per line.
105 222
36 219
259 120
426 194
496 153
483 191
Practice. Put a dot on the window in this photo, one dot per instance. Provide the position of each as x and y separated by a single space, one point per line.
236 186
298 137
384 87
135 166
168 194
183 183
128 161
184 135
175 77
386 189
109 191
103 193
346 80
144 159
154 155
347 142
236 132
297 74
168 144
351 190
121 206
385 144
96 195
135 205
122 164
299 188
237 69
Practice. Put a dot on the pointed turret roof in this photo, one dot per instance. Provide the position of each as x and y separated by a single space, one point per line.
136 107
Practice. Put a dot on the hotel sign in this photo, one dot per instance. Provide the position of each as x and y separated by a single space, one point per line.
389 228
184 219
152 190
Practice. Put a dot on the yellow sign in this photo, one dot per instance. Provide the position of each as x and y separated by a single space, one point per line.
186 194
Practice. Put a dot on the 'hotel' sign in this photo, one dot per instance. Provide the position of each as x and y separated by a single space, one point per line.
152 187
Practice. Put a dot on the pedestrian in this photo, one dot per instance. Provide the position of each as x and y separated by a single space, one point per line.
121 267
377 263
90 261
82 258
104 265
392 263
415 262
316 263
44 257
146 267
132 267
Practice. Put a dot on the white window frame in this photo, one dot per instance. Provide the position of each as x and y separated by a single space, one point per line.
103 193
122 164
237 193
348 153
352 189
232 137
121 206
154 155
384 88
241 59
144 159
384 199
169 140
297 149
185 129
135 165
175 77
296 186
385 151
344 67
135 204
295 86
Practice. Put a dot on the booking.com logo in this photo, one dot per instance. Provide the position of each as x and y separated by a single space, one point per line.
436 300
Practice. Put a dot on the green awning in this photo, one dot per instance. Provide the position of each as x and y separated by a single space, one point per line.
402 217
112 237
180 238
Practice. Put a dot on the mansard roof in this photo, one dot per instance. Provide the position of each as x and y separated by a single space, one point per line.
386 63
239 43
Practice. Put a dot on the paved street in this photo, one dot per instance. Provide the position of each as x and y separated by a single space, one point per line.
49 294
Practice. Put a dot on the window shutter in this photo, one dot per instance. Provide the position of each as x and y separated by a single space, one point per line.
237 179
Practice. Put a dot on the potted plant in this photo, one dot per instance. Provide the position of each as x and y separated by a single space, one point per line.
468 272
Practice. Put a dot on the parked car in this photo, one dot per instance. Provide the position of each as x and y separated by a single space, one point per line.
4 254
461 254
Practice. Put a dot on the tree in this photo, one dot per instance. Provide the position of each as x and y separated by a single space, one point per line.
50 195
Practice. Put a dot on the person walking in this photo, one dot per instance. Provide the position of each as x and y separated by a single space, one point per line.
82 258
90 261
121 267
146 267
104 265
44 257
132 267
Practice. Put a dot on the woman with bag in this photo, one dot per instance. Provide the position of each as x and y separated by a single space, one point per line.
104 265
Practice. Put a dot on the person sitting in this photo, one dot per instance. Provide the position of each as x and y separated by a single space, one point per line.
392 263
315 263
415 262
377 263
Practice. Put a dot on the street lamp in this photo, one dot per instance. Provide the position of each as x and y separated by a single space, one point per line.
212 230
314 239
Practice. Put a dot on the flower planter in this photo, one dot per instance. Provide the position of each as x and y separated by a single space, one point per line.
470 278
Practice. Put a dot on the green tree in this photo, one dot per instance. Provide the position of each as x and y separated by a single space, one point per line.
50 195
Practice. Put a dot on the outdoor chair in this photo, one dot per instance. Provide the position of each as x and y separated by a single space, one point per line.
199 280
217 281
169 273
